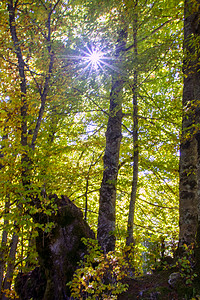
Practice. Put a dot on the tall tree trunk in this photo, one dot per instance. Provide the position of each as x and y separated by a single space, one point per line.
130 238
195 20
26 161
24 105
107 201
189 149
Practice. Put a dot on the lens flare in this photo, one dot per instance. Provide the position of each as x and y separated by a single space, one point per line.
95 57
94 61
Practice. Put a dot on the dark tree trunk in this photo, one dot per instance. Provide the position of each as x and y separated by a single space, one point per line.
28 146
24 105
190 143
106 220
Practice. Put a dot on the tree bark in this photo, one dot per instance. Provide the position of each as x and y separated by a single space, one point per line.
130 238
4 244
107 201
24 105
11 266
190 144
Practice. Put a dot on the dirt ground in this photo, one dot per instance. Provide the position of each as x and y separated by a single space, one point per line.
156 287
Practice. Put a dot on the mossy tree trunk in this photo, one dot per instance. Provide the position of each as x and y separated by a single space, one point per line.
190 143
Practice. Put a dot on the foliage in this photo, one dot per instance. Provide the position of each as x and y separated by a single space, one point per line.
100 275
69 148
186 264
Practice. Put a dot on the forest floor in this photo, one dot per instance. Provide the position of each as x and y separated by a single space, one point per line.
156 287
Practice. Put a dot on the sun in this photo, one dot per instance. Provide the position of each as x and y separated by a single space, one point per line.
94 58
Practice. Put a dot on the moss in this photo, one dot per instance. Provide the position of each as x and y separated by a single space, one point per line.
61 248
163 289
49 292
160 293
188 291
184 291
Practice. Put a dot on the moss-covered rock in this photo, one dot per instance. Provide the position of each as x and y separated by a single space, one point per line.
59 250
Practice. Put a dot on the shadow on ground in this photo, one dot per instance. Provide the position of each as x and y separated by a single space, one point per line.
156 287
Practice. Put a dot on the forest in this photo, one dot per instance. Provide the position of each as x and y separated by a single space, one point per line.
99 146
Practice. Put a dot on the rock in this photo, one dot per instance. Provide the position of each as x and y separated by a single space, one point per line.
59 251
175 279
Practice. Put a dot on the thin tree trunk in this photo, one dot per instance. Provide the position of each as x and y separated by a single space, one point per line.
93 163
31 245
24 105
11 266
107 201
189 156
4 244
26 162
130 238
86 189
5 233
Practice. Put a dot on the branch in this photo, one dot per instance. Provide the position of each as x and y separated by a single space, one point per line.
41 31
43 4
160 206
32 72
21 69
55 5
101 109
46 85
147 36
15 5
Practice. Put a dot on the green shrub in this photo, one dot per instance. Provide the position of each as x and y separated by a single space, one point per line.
100 275
186 263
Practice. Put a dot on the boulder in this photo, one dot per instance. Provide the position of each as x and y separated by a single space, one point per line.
175 279
59 250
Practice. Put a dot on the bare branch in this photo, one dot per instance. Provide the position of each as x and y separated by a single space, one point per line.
159 206
43 4
101 109
55 5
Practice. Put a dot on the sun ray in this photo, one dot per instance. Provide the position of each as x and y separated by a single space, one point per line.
93 60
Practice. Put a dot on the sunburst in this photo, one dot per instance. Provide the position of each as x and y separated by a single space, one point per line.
94 60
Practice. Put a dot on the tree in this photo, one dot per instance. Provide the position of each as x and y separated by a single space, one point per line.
107 202
130 225
30 58
189 149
